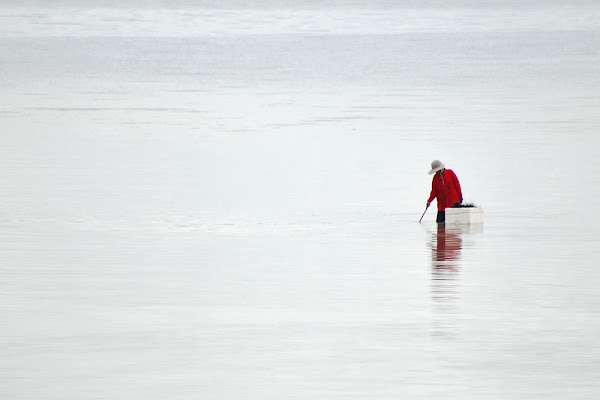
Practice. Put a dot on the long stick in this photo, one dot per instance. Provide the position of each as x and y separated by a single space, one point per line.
424 213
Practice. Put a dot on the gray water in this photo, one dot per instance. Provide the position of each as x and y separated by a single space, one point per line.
221 200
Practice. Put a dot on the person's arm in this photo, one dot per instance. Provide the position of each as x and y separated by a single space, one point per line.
458 189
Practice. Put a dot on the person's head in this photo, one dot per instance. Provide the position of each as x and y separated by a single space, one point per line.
437 167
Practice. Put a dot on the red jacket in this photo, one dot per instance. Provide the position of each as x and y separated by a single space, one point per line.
447 190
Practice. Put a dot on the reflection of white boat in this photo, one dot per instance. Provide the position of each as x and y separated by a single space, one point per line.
464 215
463 228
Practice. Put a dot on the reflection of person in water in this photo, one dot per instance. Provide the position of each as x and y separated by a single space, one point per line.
447 247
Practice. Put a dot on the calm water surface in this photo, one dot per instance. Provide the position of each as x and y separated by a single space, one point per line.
222 202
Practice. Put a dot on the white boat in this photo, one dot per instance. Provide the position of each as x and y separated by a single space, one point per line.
464 215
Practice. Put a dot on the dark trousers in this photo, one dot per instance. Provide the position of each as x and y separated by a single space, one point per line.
441 217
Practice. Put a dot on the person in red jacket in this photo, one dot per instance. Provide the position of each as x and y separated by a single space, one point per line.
445 187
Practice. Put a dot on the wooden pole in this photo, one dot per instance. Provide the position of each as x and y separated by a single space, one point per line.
424 213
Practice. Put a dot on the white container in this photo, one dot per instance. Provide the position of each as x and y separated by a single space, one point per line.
464 215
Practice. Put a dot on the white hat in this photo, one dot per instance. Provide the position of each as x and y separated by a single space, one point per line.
436 165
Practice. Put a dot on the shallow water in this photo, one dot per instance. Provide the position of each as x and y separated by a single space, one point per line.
230 211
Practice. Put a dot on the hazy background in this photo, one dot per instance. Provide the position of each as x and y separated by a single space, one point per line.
220 200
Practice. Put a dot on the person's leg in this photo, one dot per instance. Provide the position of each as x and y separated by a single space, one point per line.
441 217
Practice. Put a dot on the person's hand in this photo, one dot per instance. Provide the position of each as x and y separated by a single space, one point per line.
428 204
